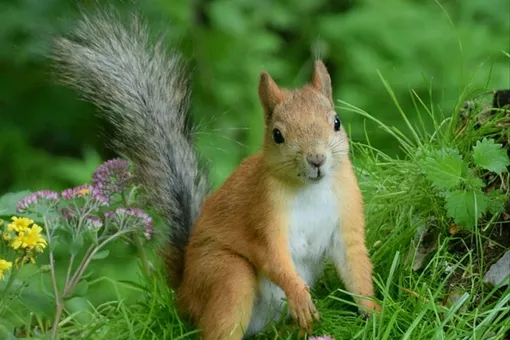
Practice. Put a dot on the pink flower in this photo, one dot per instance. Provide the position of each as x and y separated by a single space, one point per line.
134 217
112 177
26 203
86 190
98 196
325 337
92 222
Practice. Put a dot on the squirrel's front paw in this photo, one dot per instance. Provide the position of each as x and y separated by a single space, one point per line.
369 307
302 308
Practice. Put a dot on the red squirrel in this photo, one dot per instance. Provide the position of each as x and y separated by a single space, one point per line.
236 256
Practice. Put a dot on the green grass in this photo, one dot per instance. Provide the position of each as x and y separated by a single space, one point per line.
444 299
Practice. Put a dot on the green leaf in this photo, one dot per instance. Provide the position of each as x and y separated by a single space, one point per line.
38 303
497 202
27 272
81 289
15 286
76 245
101 255
6 330
88 274
90 236
80 310
444 168
46 290
8 202
55 241
491 156
466 207
472 181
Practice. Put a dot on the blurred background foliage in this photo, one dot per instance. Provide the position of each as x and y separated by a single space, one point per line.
51 139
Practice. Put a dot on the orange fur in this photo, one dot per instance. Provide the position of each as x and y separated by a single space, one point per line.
357 274
242 232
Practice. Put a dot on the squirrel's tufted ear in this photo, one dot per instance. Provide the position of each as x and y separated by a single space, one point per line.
270 94
321 80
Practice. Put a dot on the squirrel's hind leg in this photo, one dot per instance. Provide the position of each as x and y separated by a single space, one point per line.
228 310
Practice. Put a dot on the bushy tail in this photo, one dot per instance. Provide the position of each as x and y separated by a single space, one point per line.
143 92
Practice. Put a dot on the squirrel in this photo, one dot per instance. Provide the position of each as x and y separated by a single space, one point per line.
236 254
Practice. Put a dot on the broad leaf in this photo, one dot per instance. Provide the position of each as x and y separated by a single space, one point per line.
444 168
491 156
38 303
55 241
497 202
6 330
81 289
101 254
8 202
76 245
466 206
472 181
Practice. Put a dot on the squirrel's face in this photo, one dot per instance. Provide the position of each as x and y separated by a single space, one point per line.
304 138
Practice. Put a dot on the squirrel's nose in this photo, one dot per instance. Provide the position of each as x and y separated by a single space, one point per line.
316 160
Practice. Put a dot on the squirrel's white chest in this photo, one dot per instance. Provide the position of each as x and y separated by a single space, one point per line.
313 225
314 221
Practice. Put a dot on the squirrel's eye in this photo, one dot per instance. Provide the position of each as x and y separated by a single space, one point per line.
277 136
337 124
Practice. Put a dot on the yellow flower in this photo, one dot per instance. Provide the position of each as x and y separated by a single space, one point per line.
6 237
29 238
83 191
19 224
4 265
20 261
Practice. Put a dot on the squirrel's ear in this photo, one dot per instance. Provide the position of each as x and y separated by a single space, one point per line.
270 94
321 80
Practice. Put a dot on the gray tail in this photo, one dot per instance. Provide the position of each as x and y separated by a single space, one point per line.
143 92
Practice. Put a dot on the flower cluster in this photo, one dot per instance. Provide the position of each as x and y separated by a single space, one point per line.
81 206
97 197
326 337
47 196
112 177
133 218
24 236
93 222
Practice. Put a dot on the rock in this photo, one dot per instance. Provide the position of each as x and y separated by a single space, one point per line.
499 272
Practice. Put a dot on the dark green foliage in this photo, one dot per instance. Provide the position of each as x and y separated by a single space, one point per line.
47 135
459 184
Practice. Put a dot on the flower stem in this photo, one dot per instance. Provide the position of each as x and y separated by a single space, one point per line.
58 301
143 256
69 267
138 244
86 261
70 278
58 314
